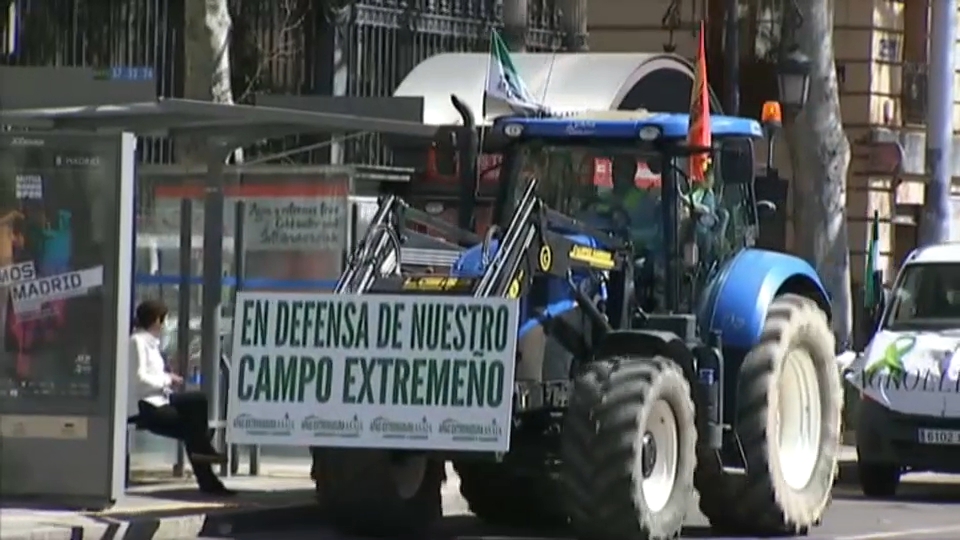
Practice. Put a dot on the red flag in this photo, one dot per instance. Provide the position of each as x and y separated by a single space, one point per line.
699 130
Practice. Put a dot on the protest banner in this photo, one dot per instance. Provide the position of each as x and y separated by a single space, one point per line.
372 371
294 225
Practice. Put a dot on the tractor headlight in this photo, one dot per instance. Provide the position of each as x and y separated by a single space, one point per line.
649 133
513 130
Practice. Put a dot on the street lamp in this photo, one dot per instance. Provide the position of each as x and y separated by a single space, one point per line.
793 80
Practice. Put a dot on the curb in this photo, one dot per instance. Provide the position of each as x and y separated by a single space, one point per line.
219 522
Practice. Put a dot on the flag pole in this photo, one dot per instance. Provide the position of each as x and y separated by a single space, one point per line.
546 83
486 81
482 125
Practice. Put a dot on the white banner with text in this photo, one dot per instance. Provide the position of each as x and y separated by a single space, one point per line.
373 371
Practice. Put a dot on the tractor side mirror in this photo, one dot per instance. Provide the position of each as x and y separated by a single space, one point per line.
736 160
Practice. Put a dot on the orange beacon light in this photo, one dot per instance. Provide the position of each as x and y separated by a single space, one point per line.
771 117
771 114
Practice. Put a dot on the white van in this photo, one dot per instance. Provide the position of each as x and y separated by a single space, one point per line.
909 375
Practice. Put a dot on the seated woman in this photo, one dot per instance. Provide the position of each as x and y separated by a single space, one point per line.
161 410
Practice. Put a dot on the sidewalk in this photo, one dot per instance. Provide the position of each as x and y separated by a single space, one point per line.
161 507
165 508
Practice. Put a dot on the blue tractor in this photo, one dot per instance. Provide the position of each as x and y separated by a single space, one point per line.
659 354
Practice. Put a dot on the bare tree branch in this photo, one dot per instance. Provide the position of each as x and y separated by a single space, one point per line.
286 44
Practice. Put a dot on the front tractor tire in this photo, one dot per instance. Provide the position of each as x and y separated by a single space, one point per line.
499 496
629 450
789 405
378 493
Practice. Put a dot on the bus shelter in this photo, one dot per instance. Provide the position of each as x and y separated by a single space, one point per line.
222 128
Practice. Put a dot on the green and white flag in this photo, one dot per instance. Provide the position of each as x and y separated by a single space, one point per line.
872 270
505 90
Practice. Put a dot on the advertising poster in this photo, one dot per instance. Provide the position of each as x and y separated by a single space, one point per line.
51 272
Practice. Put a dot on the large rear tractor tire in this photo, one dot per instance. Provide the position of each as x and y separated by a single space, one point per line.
377 493
499 496
788 416
629 449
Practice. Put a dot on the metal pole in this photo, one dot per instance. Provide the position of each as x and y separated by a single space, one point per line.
239 270
183 305
935 223
669 224
238 275
731 60
213 204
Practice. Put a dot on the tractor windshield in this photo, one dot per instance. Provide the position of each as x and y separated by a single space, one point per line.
619 188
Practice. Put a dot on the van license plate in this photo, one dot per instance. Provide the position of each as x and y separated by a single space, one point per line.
939 436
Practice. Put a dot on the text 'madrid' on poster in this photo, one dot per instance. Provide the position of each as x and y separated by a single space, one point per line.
373 371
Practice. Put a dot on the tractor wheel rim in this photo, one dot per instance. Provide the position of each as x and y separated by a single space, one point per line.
408 474
659 471
799 419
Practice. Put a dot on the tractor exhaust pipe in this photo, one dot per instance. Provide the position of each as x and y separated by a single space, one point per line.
468 153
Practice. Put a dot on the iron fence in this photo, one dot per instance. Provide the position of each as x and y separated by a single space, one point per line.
106 33
331 47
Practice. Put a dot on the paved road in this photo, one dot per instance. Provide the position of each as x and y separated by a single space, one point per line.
927 509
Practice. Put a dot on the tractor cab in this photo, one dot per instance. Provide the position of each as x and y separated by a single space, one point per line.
625 173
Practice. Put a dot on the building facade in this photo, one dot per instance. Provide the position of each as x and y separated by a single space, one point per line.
881 53
366 48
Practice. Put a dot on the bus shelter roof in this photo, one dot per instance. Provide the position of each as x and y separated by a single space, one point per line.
203 118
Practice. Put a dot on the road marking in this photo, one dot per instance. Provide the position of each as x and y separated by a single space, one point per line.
901 534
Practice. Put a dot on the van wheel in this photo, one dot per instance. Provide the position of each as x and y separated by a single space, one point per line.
879 480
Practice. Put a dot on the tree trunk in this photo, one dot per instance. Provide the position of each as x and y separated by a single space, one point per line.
820 155
207 59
